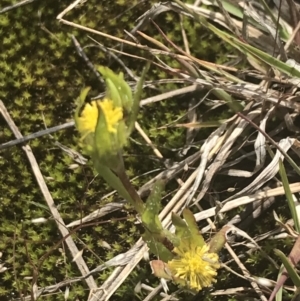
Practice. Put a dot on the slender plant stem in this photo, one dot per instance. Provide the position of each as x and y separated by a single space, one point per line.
137 202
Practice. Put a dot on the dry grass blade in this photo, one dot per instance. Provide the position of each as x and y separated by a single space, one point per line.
295 187
206 154
269 172
16 5
229 138
109 208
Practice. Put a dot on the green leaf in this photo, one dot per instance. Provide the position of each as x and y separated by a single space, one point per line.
44 207
234 105
280 290
182 230
136 100
80 102
152 207
155 244
292 260
113 93
159 240
218 241
187 232
193 228
233 9
289 195
112 180
117 88
289 267
108 145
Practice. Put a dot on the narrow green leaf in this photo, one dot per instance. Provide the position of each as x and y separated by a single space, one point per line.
112 180
46 208
118 90
218 241
182 230
280 290
234 105
152 207
106 143
113 93
80 102
290 269
233 9
289 195
155 244
193 228
136 100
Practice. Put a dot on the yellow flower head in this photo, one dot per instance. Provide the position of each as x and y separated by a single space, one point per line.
195 265
88 119
112 115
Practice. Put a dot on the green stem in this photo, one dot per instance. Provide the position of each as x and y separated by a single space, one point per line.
137 202
121 183
112 180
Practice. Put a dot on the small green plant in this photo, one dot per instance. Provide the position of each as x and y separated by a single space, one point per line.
105 126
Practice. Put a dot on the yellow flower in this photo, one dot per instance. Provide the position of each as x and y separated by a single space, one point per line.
88 119
112 115
195 265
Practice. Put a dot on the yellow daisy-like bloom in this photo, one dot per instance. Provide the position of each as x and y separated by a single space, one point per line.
112 115
87 121
195 265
